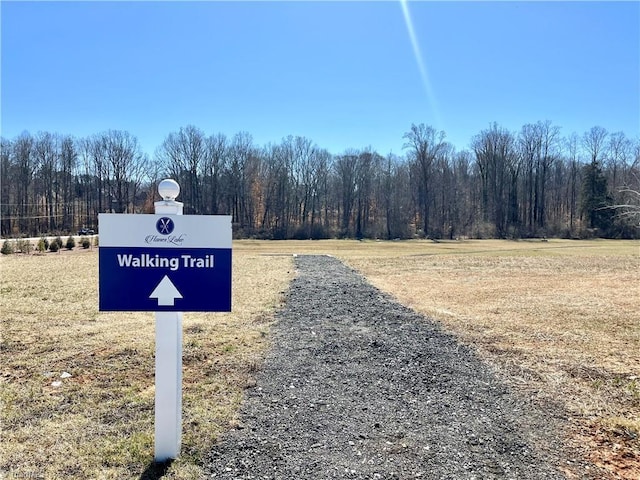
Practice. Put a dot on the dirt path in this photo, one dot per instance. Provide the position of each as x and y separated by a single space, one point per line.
358 386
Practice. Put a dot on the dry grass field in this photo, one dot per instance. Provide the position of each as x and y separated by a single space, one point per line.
98 423
560 320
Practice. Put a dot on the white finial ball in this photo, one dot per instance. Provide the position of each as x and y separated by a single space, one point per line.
168 189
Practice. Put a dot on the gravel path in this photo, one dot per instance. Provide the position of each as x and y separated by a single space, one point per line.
359 386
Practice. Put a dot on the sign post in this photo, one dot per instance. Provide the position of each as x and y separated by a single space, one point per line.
167 263
168 400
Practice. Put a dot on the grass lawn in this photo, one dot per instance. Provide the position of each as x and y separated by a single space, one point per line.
559 319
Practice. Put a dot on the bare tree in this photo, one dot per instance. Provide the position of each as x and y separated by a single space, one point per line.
424 144
627 203
240 178
46 154
184 155
127 167
594 142
6 190
538 146
346 176
572 180
366 168
86 182
304 156
550 135
212 168
466 209
497 159
67 163
25 166
321 163
276 214
394 196
631 209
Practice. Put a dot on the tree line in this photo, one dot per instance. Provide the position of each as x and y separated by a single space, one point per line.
529 183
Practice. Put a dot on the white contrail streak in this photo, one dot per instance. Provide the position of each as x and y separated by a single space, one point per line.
420 62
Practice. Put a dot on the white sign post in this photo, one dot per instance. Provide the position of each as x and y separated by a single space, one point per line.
168 403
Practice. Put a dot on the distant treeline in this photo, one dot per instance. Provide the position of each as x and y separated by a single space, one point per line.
530 183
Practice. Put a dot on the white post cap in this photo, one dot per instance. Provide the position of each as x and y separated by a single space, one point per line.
168 189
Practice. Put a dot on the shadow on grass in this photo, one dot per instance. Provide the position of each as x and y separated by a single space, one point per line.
156 470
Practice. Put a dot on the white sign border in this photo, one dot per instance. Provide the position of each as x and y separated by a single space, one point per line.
189 231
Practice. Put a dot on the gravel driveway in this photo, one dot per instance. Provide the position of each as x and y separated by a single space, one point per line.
358 386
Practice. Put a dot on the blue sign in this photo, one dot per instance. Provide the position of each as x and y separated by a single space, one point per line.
180 263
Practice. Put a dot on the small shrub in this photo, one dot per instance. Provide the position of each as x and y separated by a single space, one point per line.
23 245
27 247
70 243
95 241
57 240
7 248
43 245
19 245
85 242
54 247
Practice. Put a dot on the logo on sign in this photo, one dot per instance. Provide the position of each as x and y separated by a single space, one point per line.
164 226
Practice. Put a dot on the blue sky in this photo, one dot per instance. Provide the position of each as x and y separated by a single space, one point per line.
344 74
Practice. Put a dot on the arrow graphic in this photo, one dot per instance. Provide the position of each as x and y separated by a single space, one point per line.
166 293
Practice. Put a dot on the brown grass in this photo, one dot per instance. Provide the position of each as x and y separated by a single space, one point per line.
99 422
559 319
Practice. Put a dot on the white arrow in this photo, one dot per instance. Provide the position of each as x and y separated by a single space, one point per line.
166 292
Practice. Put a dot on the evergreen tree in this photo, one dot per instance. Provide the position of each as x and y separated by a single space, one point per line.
595 198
